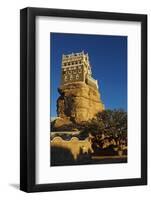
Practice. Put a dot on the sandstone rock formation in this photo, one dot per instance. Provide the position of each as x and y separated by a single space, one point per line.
78 102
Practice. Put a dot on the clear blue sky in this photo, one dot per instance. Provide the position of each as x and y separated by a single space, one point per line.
108 58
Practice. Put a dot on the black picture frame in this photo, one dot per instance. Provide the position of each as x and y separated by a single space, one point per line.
28 99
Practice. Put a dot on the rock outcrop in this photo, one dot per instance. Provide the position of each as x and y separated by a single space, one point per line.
78 102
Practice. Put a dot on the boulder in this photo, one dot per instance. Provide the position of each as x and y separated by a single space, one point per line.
77 103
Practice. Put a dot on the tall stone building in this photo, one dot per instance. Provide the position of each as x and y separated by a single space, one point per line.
79 98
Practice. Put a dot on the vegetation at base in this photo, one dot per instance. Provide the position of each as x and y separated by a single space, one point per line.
107 133
108 122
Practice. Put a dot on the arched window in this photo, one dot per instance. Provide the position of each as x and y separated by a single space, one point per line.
77 76
69 72
71 77
65 78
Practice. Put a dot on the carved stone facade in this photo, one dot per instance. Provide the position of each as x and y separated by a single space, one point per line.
76 68
79 98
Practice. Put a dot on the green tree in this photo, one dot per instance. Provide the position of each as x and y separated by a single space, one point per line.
108 122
